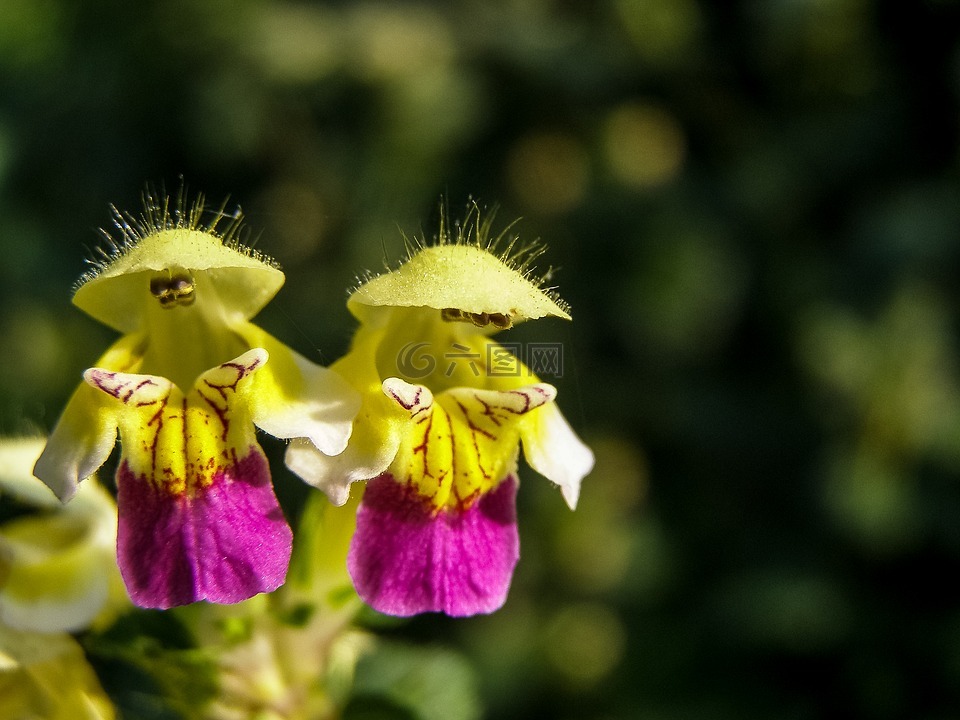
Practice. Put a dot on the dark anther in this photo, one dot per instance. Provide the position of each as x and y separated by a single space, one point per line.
173 289
501 321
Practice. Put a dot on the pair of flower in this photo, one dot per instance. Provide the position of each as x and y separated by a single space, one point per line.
191 377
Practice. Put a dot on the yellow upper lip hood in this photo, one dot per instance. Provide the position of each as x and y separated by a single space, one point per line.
115 293
466 277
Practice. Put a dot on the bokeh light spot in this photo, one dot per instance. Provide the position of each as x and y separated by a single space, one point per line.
391 41
31 32
644 145
585 642
548 172
689 292
873 502
663 31
597 545
300 216
296 43
33 346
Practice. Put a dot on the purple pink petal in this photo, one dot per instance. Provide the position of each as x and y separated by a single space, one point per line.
407 558
224 542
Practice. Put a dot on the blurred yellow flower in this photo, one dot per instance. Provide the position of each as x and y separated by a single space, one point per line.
58 568
47 676
58 574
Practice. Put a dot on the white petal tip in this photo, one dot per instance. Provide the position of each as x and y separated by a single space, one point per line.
553 449
315 468
571 495
412 398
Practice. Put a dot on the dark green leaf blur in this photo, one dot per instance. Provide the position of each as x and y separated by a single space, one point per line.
753 209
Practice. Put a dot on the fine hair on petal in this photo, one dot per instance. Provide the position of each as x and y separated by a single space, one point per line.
476 230
161 212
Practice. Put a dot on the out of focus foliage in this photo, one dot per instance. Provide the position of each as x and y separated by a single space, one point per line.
753 208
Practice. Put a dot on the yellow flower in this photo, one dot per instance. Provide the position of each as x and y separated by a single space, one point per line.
47 676
58 574
185 385
444 409
58 567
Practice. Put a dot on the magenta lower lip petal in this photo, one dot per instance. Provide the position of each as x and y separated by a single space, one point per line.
405 558
223 543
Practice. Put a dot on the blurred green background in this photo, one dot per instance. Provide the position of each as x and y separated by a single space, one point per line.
752 208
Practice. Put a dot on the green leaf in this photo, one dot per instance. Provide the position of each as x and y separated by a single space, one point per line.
400 680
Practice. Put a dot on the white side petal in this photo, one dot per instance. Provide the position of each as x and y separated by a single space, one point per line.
335 474
323 412
80 443
553 449
322 471
377 432
293 398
